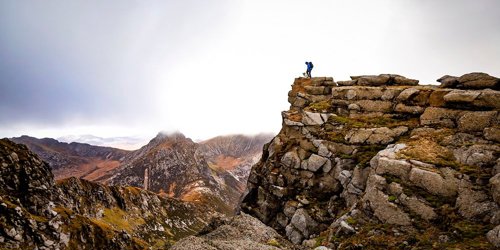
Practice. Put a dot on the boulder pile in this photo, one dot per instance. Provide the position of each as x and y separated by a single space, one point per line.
474 80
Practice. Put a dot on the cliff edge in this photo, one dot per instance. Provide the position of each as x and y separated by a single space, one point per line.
382 162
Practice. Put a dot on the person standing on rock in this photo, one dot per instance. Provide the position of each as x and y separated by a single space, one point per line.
309 68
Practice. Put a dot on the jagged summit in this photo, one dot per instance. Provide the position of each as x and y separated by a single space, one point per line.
382 162
171 136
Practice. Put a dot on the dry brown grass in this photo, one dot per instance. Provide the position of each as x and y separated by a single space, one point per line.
296 117
428 151
227 162
298 86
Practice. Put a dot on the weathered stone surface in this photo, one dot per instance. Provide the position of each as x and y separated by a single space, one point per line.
371 80
299 102
488 99
318 90
492 134
478 80
419 207
448 81
389 94
402 81
436 98
383 79
433 182
440 117
476 121
473 204
293 234
351 94
288 122
382 135
315 162
384 210
240 232
311 118
461 96
477 155
375 106
407 94
399 168
354 106
346 83
291 159
494 236
358 135
304 223
402 108
495 187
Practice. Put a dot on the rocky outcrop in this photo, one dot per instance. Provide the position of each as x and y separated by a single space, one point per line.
240 232
38 213
380 80
381 156
476 80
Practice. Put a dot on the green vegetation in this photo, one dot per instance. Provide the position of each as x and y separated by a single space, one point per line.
392 198
320 240
335 137
273 242
391 178
351 221
434 200
348 122
119 220
367 122
366 153
322 106
471 230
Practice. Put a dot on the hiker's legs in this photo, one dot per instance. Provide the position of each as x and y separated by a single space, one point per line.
309 74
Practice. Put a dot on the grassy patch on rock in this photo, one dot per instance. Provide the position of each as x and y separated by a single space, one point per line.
322 106
366 153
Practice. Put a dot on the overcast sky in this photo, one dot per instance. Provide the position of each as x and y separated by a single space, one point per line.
213 67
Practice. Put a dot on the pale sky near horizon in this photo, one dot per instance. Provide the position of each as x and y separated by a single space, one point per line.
214 67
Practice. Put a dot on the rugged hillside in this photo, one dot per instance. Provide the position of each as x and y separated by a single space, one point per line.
38 213
213 171
172 166
234 153
74 159
381 162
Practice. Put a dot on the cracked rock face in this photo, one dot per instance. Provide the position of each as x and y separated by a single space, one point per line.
418 160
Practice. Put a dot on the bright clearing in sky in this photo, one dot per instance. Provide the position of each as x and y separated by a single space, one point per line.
208 68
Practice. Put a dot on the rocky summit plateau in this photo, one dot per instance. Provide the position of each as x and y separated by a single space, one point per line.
380 162
375 162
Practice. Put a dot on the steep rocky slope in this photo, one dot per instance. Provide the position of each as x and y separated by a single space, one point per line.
234 153
38 213
172 166
74 159
381 162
